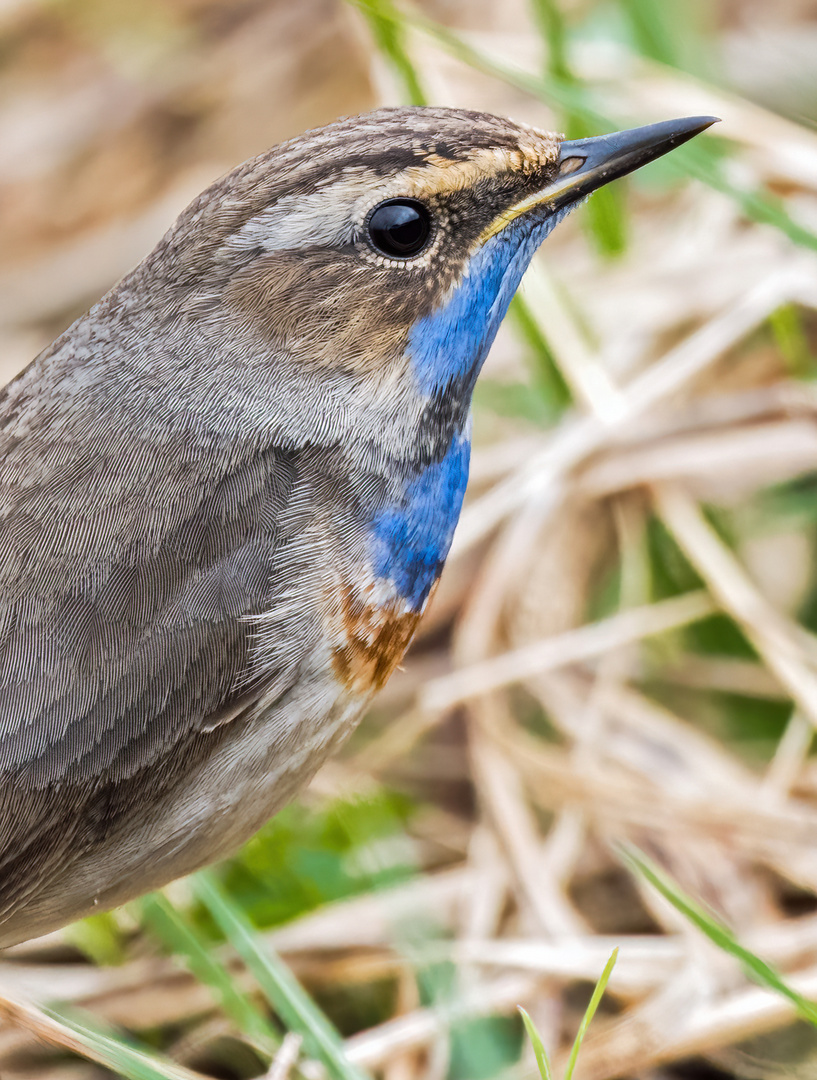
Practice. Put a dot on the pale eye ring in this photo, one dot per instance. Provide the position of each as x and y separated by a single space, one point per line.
399 228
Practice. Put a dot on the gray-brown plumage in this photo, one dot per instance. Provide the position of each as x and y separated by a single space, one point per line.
227 491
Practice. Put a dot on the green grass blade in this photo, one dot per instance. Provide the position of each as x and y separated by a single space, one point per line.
73 1030
183 941
792 341
388 31
99 937
671 34
286 995
606 220
546 374
757 970
653 28
538 1046
549 17
589 1013
560 93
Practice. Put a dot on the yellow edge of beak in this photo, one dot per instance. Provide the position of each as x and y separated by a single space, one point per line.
554 190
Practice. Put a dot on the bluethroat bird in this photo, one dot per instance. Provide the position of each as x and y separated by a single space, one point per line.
228 490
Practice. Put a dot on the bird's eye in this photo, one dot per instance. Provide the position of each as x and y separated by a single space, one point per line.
399 228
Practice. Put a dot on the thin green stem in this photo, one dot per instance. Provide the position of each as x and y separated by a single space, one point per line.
286 995
388 31
757 970
180 937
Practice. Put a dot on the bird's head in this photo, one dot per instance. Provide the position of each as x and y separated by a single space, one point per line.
378 255
364 269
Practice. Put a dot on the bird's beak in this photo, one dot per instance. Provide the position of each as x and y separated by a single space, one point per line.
587 164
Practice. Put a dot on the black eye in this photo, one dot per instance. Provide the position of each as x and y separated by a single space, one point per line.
400 227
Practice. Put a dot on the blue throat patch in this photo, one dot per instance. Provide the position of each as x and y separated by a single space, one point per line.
411 540
453 341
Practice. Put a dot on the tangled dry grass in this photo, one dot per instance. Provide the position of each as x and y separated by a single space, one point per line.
622 650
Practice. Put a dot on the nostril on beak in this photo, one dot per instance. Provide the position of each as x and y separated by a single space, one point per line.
570 165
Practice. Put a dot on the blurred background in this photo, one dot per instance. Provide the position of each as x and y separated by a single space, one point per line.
622 655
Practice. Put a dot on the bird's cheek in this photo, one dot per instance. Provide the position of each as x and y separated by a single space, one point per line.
331 311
